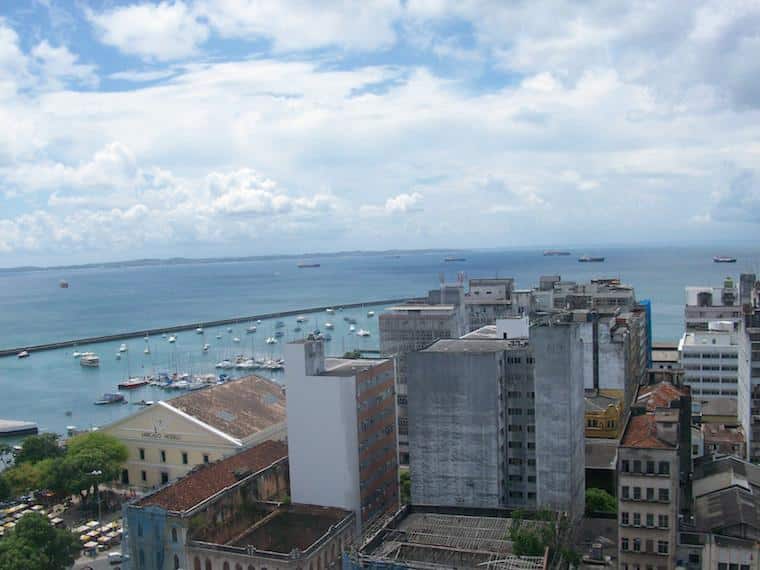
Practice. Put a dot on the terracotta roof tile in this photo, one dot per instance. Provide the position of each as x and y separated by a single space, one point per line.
207 480
659 395
239 408
642 432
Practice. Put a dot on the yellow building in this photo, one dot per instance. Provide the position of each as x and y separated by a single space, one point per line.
603 416
168 439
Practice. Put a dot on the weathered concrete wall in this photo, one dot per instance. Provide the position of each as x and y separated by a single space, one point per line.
560 455
453 429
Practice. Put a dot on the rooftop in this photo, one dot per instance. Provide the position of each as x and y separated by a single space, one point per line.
665 355
601 453
468 344
207 480
600 402
653 401
349 366
416 307
719 433
240 408
719 407
290 527
659 395
641 431
707 339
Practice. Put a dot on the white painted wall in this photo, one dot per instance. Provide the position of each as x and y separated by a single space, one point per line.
515 327
323 441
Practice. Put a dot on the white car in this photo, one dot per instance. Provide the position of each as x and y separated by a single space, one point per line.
115 558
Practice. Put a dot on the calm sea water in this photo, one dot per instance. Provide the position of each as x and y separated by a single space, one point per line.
33 310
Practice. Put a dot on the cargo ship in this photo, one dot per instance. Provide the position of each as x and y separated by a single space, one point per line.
554 252
303 265
590 259
724 259
451 258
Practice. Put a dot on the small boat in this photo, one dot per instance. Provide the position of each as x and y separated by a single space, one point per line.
258 321
251 329
205 347
351 320
123 347
147 350
132 384
146 338
279 334
330 311
724 259
248 364
172 339
89 360
370 313
76 354
329 326
199 330
229 329
352 328
110 399
451 258
301 319
590 259
218 336
163 335
363 332
271 340
555 252
23 354
225 365
279 324
118 356
236 339
144 403
297 329
303 265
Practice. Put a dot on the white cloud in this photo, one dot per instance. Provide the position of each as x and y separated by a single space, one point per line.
164 31
404 203
59 64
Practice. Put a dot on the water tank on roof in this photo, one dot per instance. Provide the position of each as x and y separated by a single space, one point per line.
704 299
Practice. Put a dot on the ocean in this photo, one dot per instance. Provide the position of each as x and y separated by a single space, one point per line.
52 389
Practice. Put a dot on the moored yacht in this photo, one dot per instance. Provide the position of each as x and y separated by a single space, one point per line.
362 332
89 360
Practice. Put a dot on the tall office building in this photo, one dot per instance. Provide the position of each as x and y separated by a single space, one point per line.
341 417
749 361
496 418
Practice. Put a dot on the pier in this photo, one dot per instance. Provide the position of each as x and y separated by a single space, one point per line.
191 326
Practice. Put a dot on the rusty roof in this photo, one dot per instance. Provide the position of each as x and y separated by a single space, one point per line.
209 479
240 408
719 433
659 395
641 431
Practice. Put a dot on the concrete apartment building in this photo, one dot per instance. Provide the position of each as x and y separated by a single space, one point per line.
230 515
168 439
488 300
496 418
341 431
710 361
654 465
409 327
749 361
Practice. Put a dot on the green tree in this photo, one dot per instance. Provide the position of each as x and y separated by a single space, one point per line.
406 486
23 478
34 544
38 447
5 489
353 354
547 530
91 459
600 501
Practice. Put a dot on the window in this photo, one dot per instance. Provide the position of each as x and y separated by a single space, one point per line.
637 545
141 557
624 519
637 493
636 466
176 562
636 519
164 477
184 458
664 468
163 456
662 546
205 458
665 495
143 475
625 491
662 521
197 564
238 566
139 529
226 565
722 566
174 534
624 544
625 466
650 520
650 494
650 467
142 454
208 565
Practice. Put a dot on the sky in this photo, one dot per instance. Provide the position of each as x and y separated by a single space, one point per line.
246 127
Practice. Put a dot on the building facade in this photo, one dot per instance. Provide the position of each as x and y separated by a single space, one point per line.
710 361
604 415
496 420
342 431
168 439
707 304
654 465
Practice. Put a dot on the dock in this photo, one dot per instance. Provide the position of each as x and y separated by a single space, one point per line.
15 427
190 326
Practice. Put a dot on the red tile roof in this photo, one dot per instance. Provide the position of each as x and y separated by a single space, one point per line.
207 480
659 395
642 432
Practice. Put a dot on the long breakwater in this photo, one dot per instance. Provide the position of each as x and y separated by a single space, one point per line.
189 326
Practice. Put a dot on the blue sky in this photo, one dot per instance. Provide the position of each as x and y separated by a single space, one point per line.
234 127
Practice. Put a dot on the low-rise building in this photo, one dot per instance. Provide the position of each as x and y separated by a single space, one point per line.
604 416
168 439
654 462
719 439
342 431
665 356
488 300
430 537
708 304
